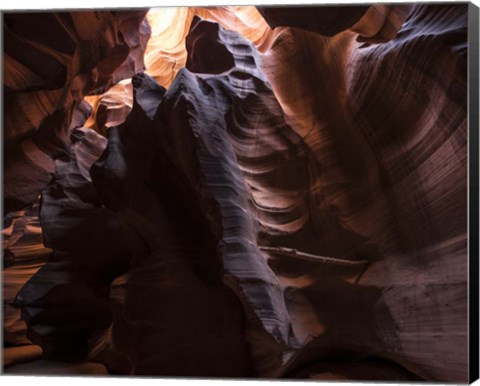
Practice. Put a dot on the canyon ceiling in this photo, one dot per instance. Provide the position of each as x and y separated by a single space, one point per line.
237 192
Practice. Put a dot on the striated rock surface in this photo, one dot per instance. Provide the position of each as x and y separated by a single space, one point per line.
377 164
23 254
79 53
72 288
266 211
51 61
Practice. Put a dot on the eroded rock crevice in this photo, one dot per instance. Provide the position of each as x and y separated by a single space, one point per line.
237 192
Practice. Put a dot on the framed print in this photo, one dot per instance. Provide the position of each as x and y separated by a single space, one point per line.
242 192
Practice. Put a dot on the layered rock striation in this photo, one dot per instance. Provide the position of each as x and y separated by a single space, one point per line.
51 62
285 202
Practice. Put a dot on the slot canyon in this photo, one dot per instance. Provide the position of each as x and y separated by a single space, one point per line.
237 192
